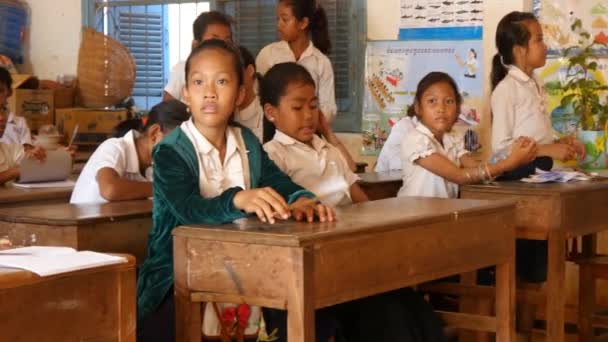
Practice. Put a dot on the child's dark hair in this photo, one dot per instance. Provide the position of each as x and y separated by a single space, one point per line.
426 82
274 85
5 78
217 44
511 31
474 53
317 21
248 59
202 22
167 115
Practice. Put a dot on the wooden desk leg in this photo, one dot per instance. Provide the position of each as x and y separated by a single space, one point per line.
300 301
587 289
505 301
188 320
556 286
126 319
473 305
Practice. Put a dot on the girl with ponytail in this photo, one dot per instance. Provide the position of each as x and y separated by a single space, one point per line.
303 28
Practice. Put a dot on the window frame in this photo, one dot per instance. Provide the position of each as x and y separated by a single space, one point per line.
345 121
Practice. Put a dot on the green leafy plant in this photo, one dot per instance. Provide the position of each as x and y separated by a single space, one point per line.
583 92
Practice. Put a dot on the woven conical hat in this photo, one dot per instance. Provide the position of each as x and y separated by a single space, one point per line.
106 70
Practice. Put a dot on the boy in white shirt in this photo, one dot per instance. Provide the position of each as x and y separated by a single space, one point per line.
16 131
117 169
208 25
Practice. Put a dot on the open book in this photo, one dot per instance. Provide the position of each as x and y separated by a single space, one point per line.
46 261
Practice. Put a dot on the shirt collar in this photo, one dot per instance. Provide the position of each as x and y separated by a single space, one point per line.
11 118
308 52
317 143
518 74
132 159
205 147
449 139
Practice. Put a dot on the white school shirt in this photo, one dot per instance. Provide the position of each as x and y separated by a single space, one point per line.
252 117
320 169
418 181
10 155
17 131
390 155
519 109
119 154
216 176
177 80
317 64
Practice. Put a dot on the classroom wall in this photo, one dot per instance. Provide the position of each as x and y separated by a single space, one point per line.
54 38
383 24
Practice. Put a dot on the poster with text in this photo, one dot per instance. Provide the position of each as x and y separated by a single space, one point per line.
436 19
393 70
556 17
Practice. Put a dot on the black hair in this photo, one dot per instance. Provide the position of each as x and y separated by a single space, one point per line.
5 78
274 85
474 52
317 21
511 32
426 82
217 44
248 59
205 19
168 115
125 126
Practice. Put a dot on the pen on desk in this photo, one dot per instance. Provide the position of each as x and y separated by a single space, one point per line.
73 135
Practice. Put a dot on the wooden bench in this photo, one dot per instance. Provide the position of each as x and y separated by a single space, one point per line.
373 247
116 227
96 305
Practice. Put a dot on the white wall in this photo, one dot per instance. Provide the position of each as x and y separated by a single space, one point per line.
54 38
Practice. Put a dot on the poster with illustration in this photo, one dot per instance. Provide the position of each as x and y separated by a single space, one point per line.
556 17
393 70
436 19
553 74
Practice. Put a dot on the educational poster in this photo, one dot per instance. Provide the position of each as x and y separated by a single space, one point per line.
556 17
393 70
562 119
437 19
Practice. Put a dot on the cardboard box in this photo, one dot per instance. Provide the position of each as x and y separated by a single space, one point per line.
36 105
94 125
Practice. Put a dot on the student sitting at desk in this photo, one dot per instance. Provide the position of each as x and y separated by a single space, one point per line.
16 131
117 169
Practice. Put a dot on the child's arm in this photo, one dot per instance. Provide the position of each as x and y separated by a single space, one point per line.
357 194
523 152
9 175
328 133
559 151
112 187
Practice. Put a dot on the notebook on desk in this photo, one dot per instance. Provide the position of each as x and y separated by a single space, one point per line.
56 168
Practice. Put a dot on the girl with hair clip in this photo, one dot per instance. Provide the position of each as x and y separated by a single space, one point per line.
117 169
518 99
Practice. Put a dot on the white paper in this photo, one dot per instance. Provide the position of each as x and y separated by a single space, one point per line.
56 167
60 184
46 261
556 176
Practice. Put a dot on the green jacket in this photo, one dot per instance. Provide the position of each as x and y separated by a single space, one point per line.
177 201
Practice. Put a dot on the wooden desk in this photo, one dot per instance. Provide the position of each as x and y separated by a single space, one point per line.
374 247
96 304
553 212
12 196
117 227
380 185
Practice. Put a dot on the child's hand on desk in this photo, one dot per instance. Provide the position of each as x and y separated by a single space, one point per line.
35 152
264 202
523 151
559 151
306 208
71 150
578 146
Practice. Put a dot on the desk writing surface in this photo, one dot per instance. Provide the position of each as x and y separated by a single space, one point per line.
75 214
11 195
536 188
393 213
380 177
